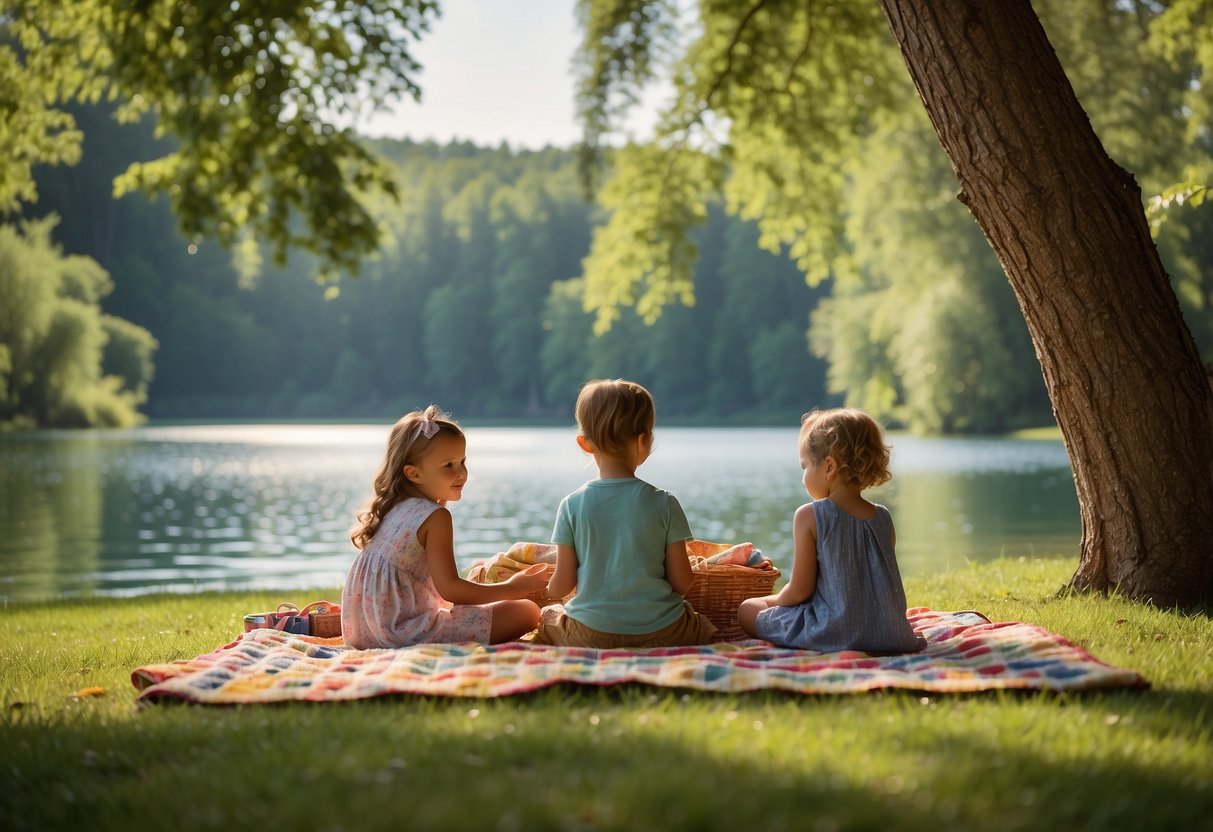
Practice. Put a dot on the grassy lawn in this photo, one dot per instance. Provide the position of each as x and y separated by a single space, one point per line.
616 758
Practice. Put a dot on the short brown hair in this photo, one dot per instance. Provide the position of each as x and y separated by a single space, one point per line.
610 413
855 441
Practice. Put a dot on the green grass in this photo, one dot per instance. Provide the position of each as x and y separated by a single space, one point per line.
1048 432
616 758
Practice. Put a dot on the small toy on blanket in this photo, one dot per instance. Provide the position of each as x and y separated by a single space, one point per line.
725 575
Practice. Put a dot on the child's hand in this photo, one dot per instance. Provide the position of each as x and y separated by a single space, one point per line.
533 577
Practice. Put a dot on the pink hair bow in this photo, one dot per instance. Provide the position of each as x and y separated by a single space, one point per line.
427 428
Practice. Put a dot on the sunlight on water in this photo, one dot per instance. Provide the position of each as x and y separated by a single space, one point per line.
188 508
265 435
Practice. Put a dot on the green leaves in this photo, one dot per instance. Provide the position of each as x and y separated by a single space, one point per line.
771 98
248 90
622 48
1159 207
62 362
1182 33
32 131
643 257
810 127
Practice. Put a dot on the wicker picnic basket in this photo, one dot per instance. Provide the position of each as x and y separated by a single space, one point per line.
719 589
326 620
319 618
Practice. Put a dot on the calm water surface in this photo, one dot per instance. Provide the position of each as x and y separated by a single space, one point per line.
192 508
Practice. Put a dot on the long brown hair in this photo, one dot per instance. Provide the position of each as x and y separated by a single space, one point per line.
406 444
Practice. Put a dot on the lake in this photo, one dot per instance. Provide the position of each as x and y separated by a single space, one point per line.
191 508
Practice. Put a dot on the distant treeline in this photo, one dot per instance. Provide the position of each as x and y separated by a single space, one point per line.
475 301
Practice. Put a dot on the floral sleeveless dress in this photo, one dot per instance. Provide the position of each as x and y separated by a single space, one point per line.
389 599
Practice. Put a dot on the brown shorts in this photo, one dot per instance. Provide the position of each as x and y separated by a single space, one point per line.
555 627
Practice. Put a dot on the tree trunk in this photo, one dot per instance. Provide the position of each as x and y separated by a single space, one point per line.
1127 384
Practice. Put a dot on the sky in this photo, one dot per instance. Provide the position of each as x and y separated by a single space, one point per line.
493 71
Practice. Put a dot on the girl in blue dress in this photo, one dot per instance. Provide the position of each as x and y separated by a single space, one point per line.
845 592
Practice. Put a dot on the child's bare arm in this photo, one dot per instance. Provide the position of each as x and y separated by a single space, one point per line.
800 586
437 536
678 567
564 580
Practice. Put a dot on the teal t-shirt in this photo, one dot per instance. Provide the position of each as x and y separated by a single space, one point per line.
620 528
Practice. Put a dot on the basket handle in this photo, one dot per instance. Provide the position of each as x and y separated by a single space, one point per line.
320 607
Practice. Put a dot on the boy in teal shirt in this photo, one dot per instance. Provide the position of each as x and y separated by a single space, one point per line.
620 542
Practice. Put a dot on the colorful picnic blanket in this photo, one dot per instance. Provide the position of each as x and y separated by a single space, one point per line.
965 652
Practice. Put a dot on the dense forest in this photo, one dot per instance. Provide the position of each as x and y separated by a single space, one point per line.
475 301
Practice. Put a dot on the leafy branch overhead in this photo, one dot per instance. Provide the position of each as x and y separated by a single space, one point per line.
786 97
248 94
777 94
1159 207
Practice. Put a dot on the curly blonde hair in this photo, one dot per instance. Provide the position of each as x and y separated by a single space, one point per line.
406 444
611 413
855 441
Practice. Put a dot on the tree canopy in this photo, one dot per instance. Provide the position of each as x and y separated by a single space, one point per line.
64 362
913 319
764 102
483 243
801 117
248 93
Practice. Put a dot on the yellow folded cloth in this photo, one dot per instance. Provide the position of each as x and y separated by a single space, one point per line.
703 552
503 565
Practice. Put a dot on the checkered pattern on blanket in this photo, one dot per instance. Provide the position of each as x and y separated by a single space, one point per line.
965 652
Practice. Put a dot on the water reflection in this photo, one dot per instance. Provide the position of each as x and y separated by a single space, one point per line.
191 508
51 514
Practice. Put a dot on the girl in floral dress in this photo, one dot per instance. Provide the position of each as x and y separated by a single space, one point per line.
404 587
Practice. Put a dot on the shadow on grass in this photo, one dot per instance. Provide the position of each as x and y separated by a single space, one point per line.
1197 610
616 758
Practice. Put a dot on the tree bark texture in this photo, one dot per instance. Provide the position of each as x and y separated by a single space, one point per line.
1128 388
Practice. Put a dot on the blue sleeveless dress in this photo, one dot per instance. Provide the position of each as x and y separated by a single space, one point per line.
859 602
